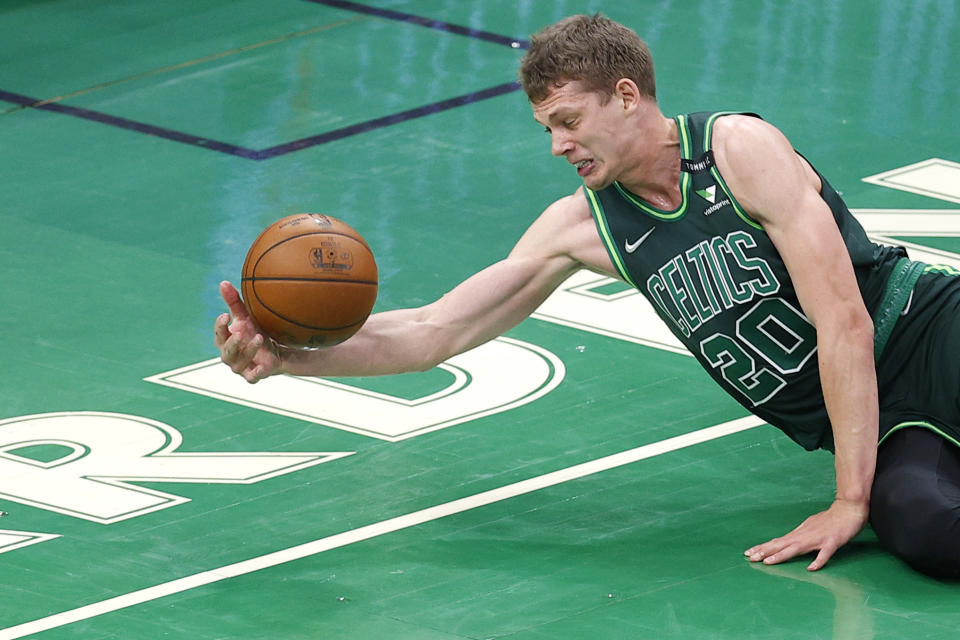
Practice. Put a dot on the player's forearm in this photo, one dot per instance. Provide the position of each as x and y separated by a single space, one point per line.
479 309
390 342
848 376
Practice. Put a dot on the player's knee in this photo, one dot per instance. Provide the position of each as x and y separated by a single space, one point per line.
913 520
932 550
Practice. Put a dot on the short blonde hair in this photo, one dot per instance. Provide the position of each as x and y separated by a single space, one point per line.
594 50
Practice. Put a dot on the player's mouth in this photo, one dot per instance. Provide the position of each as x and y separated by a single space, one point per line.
584 167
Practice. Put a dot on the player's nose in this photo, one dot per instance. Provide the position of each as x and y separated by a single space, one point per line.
560 144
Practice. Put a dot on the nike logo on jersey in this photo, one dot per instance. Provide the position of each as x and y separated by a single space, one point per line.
906 309
633 246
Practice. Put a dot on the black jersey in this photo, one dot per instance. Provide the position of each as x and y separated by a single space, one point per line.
712 274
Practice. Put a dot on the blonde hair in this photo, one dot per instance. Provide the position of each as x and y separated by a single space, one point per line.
594 50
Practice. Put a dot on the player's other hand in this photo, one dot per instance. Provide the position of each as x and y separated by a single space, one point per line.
824 532
243 348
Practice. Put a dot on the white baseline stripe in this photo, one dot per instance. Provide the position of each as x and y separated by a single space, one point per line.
379 528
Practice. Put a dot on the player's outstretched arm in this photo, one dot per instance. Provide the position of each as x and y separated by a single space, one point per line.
490 302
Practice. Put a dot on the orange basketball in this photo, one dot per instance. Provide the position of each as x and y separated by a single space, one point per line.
309 281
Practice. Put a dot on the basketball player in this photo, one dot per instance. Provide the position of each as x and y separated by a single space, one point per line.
753 261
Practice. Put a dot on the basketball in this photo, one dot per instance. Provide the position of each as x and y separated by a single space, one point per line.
309 281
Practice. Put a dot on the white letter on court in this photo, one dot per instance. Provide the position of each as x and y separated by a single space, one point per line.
494 377
108 451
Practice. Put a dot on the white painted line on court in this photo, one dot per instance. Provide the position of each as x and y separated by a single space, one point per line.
378 529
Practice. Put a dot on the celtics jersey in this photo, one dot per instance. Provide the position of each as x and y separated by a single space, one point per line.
715 278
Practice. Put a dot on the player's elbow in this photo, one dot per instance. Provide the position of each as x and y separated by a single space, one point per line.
435 342
444 343
860 324
444 332
430 360
851 325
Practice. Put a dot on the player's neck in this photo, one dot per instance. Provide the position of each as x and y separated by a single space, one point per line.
655 175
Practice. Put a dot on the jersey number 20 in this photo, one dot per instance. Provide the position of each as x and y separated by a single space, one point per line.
779 333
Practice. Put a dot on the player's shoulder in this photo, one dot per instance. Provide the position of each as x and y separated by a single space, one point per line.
564 225
566 230
569 208
736 135
760 167
747 148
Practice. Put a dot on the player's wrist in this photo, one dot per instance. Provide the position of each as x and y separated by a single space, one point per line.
277 350
860 504
854 488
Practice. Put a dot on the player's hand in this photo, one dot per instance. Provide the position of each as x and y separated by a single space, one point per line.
243 348
824 532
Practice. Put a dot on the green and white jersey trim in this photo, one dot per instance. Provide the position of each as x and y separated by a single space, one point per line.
680 211
608 242
707 143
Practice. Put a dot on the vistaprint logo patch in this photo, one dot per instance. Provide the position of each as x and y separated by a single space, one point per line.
710 195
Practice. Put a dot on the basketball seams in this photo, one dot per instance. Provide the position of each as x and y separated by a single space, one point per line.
281 282
312 233
298 279
266 252
310 326
285 318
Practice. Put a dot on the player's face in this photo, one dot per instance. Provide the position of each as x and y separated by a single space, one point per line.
585 131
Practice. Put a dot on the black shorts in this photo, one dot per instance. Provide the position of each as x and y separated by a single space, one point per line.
918 373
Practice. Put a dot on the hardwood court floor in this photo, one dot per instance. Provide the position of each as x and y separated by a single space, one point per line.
542 487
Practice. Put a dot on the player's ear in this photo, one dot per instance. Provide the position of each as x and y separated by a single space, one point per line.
627 93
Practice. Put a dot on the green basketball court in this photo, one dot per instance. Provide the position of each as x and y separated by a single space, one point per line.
579 478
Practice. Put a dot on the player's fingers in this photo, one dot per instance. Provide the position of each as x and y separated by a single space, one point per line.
228 352
246 364
221 330
250 350
761 551
257 374
231 296
785 553
233 352
822 558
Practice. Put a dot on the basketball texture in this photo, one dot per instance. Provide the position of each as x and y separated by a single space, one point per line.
309 281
